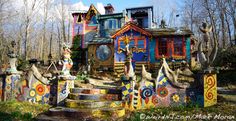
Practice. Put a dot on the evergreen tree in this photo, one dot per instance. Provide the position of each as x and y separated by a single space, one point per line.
76 52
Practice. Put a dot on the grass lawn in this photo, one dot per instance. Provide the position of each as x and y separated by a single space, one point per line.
223 110
25 111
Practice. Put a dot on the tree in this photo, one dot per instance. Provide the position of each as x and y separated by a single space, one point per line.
230 9
76 53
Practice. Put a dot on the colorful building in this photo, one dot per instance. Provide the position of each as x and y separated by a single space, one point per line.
148 42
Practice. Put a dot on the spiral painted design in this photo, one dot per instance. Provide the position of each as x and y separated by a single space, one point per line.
210 81
146 92
155 100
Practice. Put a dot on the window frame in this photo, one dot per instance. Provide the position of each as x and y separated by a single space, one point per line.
166 46
136 39
170 48
178 46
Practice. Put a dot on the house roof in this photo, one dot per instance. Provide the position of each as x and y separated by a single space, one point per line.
92 7
127 27
142 7
107 16
169 31
100 40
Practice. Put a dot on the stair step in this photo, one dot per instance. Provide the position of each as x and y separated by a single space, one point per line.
91 104
76 113
98 97
95 91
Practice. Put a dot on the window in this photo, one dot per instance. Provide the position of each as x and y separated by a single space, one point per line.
114 24
110 24
79 19
78 29
141 44
122 44
103 52
178 46
131 43
140 22
162 49
138 42
93 20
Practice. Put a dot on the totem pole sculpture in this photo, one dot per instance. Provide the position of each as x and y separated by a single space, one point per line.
129 71
129 78
65 79
208 73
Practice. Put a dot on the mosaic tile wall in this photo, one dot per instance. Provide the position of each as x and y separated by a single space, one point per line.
165 94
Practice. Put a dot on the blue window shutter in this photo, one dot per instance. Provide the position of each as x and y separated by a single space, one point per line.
110 24
114 24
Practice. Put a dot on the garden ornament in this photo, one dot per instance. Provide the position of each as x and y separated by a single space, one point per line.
12 58
67 61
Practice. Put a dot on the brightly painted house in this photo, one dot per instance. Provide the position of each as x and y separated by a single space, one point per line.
149 43
170 43
138 43
85 25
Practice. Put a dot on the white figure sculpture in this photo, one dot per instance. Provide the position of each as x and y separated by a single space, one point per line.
67 61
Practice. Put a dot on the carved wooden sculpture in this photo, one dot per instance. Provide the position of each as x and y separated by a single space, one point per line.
207 58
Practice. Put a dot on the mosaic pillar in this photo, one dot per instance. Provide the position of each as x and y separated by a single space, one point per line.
210 89
127 94
10 89
63 86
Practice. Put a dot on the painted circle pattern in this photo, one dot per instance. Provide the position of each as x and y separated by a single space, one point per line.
32 93
162 91
155 100
146 92
8 88
40 89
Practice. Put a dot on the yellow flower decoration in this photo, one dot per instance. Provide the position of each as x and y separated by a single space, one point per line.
175 98
8 81
187 99
126 40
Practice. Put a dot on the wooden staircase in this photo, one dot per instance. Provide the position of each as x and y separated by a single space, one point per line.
138 67
119 68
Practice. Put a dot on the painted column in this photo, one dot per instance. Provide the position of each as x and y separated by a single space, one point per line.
188 49
150 18
210 89
10 89
129 14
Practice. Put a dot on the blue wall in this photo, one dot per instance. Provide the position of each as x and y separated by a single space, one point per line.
152 50
188 49
137 57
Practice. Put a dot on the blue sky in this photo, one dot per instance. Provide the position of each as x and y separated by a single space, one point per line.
119 5
162 8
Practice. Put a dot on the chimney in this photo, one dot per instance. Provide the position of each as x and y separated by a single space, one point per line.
109 9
